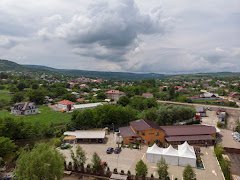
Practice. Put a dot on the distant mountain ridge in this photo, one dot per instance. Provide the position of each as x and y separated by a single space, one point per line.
6 65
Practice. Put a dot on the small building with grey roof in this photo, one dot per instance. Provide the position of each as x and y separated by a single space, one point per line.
24 108
87 136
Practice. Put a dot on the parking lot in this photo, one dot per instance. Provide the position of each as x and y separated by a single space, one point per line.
227 139
122 161
128 158
235 160
210 119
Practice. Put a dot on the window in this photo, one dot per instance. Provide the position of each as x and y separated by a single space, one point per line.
137 132
143 133
157 133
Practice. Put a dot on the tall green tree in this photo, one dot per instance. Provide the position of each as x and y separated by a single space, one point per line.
42 162
188 173
141 169
79 157
162 169
124 101
96 163
238 127
18 97
101 95
7 147
171 92
37 96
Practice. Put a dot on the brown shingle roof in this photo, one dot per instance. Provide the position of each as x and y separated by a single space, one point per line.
189 138
141 125
188 130
127 132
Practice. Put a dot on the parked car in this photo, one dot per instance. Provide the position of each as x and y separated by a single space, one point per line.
65 146
117 150
100 141
109 150
237 138
235 133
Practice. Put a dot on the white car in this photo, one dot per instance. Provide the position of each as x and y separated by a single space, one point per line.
236 138
234 133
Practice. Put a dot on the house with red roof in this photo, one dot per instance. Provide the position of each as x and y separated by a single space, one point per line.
65 105
114 94
147 95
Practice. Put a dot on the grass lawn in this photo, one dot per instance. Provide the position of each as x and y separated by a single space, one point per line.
5 95
46 116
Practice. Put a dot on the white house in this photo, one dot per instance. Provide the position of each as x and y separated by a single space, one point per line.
24 108
65 105
115 94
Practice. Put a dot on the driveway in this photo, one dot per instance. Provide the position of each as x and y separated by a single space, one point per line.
210 119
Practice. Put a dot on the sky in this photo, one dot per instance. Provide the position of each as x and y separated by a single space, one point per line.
159 36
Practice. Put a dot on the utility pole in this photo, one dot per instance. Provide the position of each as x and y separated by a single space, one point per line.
113 128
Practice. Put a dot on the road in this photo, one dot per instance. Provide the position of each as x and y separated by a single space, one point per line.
194 104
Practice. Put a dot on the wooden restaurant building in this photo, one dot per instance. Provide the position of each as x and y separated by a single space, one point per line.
148 132
193 134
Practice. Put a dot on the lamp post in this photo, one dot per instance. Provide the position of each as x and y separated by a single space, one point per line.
117 160
113 128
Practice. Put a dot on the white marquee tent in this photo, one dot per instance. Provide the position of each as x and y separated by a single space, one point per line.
154 153
186 155
170 155
183 156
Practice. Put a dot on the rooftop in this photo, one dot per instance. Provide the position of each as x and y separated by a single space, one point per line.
89 105
189 138
186 130
114 92
127 132
24 106
86 134
141 125
66 102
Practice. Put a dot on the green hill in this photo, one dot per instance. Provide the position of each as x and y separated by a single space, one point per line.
6 65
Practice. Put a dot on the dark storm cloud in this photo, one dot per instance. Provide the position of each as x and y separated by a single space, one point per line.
110 28
123 35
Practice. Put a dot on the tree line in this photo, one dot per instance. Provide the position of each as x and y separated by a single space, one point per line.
102 116
16 129
109 115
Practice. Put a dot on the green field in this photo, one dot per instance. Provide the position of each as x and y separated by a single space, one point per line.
46 116
5 95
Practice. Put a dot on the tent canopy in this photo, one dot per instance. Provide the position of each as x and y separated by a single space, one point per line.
170 151
183 156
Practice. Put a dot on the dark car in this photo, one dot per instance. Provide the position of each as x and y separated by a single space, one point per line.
109 150
117 150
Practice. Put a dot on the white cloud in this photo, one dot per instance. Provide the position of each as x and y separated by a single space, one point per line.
123 35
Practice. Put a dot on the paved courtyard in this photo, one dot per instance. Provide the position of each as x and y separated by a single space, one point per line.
227 139
128 158
211 118
226 135
235 160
